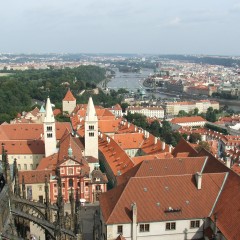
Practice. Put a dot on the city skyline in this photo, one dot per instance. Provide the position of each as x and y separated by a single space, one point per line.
154 27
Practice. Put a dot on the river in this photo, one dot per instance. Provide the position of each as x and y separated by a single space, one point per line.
134 81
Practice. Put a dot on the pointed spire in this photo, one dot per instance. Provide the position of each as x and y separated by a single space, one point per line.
69 96
17 190
60 203
77 201
42 109
23 188
71 198
91 112
49 117
47 202
70 151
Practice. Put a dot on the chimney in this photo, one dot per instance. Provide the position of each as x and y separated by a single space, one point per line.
228 162
134 221
198 178
129 125
170 148
155 140
163 145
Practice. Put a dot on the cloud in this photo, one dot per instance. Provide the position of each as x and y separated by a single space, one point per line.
174 22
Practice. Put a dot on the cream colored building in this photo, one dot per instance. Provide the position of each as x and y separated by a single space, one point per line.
173 108
68 103
157 111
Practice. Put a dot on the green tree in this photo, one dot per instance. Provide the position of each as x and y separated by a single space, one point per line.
211 115
124 106
154 128
195 111
194 137
182 113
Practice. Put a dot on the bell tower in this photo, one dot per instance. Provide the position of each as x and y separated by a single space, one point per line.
49 130
91 130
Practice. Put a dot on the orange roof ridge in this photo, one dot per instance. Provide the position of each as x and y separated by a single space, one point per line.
69 96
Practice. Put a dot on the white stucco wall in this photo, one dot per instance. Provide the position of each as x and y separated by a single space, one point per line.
68 106
158 231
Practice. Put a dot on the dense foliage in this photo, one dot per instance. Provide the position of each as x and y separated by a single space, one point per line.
216 128
164 131
20 88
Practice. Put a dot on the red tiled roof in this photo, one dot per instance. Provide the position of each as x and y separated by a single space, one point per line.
57 112
228 206
30 131
115 156
184 147
69 96
168 191
34 176
48 163
68 141
165 166
188 119
24 146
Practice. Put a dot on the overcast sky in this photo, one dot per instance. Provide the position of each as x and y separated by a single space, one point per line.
120 26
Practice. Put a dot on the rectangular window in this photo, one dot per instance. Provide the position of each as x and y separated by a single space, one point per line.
49 135
91 127
91 134
31 166
195 224
25 166
171 226
40 188
144 228
70 171
19 166
120 229
49 128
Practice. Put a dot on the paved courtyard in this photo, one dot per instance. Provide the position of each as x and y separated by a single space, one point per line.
89 215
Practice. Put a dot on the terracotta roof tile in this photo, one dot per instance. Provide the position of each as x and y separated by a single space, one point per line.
184 147
29 131
115 156
188 119
227 208
165 166
168 191
24 146
69 96
34 176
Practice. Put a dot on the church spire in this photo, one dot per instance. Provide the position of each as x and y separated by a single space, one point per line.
49 117
91 131
50 140
91 112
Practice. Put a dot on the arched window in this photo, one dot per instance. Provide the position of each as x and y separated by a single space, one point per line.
98 188
70 182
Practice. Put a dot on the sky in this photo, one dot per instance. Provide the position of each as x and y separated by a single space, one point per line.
120 26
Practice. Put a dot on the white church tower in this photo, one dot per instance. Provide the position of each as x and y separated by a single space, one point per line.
91 130
49 130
